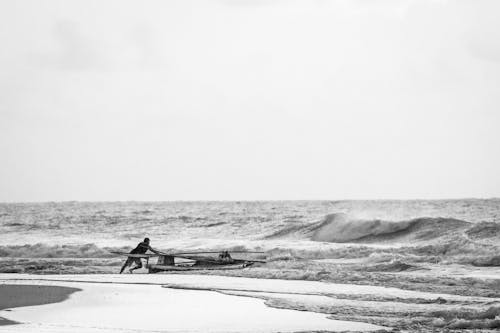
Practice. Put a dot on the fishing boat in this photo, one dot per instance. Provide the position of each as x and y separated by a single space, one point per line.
193 261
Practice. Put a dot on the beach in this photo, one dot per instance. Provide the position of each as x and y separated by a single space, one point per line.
158 303
201 303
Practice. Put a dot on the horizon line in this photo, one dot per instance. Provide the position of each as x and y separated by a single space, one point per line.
245 200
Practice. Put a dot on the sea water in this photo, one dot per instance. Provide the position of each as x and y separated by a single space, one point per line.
317 228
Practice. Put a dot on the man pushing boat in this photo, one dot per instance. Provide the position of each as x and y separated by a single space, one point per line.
141 248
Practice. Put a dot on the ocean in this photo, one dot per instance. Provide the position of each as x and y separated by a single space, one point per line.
90 229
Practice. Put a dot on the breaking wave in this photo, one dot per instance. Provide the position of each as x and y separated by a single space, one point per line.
339 228
425 239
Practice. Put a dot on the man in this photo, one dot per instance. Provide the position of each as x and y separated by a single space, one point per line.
225 257
141 248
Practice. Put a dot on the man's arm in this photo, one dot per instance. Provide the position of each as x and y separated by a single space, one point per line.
153 250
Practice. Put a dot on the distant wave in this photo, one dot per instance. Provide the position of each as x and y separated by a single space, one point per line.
41 250
340 228
216 224
392 266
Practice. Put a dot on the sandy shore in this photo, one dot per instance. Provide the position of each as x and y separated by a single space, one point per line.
197 303
13 296
113 303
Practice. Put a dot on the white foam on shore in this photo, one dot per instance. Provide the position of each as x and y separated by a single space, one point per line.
124 303
313 297
214 282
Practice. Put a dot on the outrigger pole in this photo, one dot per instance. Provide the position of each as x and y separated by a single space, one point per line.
203 252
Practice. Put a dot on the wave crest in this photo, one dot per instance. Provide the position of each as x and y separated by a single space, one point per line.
339 228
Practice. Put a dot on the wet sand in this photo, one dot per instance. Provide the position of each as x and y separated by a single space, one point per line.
13 296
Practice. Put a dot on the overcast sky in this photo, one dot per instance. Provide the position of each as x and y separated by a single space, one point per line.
249 99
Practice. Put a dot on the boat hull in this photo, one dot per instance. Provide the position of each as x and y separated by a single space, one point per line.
153 268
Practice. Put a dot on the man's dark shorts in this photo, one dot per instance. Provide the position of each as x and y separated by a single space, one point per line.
131 261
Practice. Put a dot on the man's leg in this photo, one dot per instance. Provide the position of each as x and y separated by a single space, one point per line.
127 263
139 266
